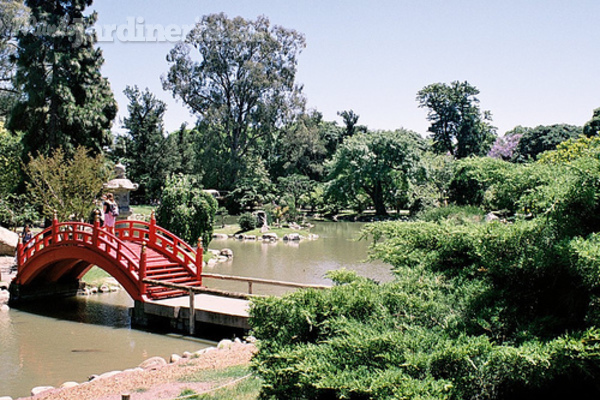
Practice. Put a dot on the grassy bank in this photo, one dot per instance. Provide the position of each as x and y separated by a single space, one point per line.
231 383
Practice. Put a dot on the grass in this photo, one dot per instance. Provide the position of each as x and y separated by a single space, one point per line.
96 276
224 388
144 210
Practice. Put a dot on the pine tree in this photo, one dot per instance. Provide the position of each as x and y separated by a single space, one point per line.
66 102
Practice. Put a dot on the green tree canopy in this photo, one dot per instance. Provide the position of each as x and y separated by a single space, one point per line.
458 127
375 164
237 76
186 210
148 153
13 18
10 157
69 185
543 138
592 127
65 100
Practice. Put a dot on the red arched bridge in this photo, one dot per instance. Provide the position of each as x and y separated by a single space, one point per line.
137 251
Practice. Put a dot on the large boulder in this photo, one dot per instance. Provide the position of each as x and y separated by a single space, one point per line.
8 242
153 363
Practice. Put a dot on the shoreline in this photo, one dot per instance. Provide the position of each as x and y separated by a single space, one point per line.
155 378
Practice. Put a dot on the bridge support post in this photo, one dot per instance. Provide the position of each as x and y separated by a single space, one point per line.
192 316
142 270
199 259
152 228
19 253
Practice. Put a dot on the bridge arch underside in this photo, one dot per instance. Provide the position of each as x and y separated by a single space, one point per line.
63 265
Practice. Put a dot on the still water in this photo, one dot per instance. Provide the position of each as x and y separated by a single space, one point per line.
53 342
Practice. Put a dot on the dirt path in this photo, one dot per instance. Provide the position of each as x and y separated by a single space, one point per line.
154 384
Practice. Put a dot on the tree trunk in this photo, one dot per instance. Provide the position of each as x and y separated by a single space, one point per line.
378 200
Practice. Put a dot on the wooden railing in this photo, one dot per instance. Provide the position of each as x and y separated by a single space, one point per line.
168 244
271 282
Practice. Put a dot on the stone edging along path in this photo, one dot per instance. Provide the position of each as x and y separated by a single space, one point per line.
154 378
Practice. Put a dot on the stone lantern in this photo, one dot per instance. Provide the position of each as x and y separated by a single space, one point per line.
120 188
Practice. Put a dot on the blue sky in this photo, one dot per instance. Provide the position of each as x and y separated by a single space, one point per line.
535 62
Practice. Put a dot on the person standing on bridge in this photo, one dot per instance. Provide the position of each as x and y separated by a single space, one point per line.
110 211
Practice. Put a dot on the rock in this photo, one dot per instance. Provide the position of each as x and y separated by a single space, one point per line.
270 236
250 339
174 358
4 308
67 385
204 351
4 296
292 236
224 344
153 363
104 289
40 389
109 374
250 237
93 290
239 236
186 354
220 236
226 253
6 398
8 242
222 259
491 217
237 340
92 377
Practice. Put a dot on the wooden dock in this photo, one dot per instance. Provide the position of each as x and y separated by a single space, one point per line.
210 306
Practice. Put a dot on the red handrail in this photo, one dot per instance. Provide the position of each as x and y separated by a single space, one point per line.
78 233
156 237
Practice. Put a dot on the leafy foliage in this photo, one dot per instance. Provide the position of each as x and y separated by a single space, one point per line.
592 127
543 138
457 125
240 83
14 16
374 164
10 161
65 101
186 210
247 222
476 311
145 149
69 185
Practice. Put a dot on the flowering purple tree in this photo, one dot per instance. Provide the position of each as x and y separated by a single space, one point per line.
505 146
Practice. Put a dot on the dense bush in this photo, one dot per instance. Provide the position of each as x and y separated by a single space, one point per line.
186 210
247 222
476 311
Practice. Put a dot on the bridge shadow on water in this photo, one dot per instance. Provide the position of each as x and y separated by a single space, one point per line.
113 310
81 309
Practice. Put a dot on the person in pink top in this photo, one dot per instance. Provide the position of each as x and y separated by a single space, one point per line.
110 211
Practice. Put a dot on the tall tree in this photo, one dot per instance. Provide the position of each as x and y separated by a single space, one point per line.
592 127
13 18
149 157
66 101
350 119
376 164
457 126
240 83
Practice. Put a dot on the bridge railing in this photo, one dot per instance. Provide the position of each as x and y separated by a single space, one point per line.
176 249
78 233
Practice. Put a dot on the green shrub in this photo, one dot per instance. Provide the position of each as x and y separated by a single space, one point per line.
247 222
186 210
